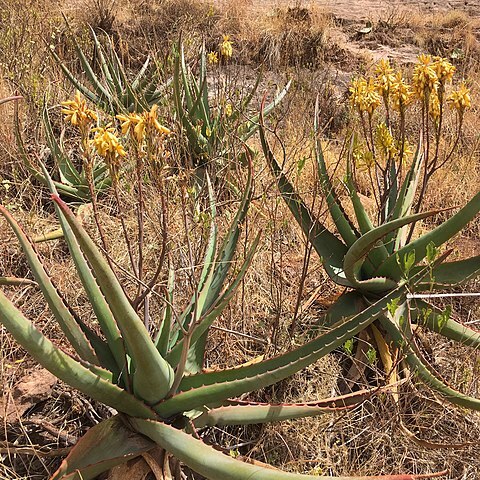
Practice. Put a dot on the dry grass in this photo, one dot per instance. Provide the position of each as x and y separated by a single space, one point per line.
291 42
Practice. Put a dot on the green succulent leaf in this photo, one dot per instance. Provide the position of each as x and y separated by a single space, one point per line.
118 445
67 322
214 465
153 376
438 236
330 249
64 367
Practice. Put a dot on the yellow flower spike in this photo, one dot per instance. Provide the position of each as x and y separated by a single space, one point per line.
434 105
460 99
444 69
212 58
425 78
226 47
400 92
128 122
77 113
372 99
107 144
228 109
384 140
385 76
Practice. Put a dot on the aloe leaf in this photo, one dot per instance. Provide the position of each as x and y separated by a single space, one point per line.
402 335
246 413
450 274
438 236
141 75
64 317
251 126
153 376
215 311
68 172
214 465
118 445
102 61
162 340
392 186
96 99
212 388
405 198
65 189
99 305
346 305
330 249
64 367
344 225
431 317
379 254
360 249
15 281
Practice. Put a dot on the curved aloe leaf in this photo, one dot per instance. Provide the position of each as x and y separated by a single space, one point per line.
64 367
450 274
360 249
118 445
99 305
431 317
214 465
330 249
153 376
401 333
344 225
211 388
63 315
438 236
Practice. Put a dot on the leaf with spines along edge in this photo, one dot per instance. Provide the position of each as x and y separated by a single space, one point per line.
212 388
153 376
66 368
214 465
67 322
99 305
357 253
438 236
330 249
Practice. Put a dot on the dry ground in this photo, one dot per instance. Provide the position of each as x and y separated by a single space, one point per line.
42 418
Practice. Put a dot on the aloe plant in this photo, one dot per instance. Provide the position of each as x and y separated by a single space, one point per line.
158 385
112 90
208 128
371 261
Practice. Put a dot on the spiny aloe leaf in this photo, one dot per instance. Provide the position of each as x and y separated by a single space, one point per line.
69 190
405 198
247 129
330 249
63 315
450 274
64 367
379 254
344 225
438 236
360 249
118 445
434 319
214 465
346 305
162 339
208 317
99 305
402 335
153 376
212 388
